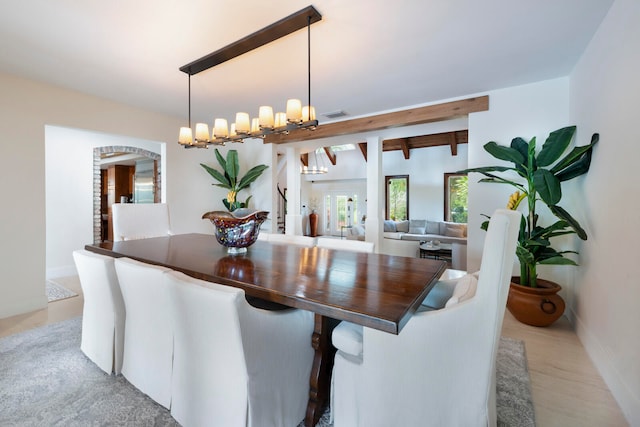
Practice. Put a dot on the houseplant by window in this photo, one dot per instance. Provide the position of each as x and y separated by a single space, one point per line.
537 176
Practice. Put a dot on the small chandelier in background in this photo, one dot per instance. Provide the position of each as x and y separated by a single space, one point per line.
296 116
316 169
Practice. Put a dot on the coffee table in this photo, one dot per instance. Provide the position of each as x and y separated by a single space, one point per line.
435 251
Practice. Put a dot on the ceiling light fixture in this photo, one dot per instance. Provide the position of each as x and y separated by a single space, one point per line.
296 116
315 169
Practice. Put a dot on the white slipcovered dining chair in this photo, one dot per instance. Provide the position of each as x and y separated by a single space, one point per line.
235 365
132 221
148 336
292 239
345 245
440 369
103 313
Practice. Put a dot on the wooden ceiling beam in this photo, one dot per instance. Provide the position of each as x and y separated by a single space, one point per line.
304 158
404 146
331 155
414 116
423 141
453 142
363 149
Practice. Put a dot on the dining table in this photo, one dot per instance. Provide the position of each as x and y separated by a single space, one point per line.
373 290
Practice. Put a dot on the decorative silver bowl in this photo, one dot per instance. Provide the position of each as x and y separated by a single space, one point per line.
236 230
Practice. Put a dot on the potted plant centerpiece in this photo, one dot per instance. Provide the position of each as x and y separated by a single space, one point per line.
238 227
537 177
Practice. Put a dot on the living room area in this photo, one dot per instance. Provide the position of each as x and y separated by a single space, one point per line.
339 196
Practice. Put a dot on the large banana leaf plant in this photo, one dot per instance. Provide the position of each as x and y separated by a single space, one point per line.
539 178
230 180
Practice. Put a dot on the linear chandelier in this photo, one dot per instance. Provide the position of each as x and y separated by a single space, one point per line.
296 115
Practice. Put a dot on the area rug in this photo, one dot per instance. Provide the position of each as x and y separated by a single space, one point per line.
56 292
45 380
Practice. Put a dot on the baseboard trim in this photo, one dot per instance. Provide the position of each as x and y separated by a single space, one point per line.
602 360
64 271
24 306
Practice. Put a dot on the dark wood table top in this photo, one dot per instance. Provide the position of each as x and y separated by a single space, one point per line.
374 290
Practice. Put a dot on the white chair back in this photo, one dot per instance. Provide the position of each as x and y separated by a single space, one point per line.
235 365
345 245
440 369
103 313
292 239
148 338
133 221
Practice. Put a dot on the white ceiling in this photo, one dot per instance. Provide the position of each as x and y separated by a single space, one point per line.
366 55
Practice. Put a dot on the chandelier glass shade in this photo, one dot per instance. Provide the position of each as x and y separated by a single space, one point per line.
296 116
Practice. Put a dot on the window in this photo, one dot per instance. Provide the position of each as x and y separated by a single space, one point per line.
397 197
455 197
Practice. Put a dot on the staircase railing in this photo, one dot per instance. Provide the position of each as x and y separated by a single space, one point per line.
282 210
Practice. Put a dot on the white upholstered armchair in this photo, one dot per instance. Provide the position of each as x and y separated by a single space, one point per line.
440 369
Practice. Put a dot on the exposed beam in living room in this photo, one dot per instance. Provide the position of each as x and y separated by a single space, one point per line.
424 141
331 155
414 116
404 146
363 149
454 144
434 140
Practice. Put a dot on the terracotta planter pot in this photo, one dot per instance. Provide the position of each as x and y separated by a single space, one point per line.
539 306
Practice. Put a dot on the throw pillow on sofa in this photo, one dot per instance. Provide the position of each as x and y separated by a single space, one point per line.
417 226
433 227
402 226
453 226
389 226
454 231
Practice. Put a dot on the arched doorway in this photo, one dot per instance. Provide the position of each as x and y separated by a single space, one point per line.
99 154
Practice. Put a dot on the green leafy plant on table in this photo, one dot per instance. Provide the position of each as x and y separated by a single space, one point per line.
539 178
229 178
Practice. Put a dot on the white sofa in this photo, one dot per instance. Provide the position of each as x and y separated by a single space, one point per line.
403 238
424 230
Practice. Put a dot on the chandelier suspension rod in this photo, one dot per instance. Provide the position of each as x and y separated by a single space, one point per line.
309 63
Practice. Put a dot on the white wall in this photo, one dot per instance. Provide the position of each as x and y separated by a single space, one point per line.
526 111
26 107
604 98
69 190
426 168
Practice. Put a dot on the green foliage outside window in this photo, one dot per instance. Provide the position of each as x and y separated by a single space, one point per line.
397 198
458 187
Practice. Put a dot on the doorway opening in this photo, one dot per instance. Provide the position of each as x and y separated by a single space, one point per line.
340 209
139 172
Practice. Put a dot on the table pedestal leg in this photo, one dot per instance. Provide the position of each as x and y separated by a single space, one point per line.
320 380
